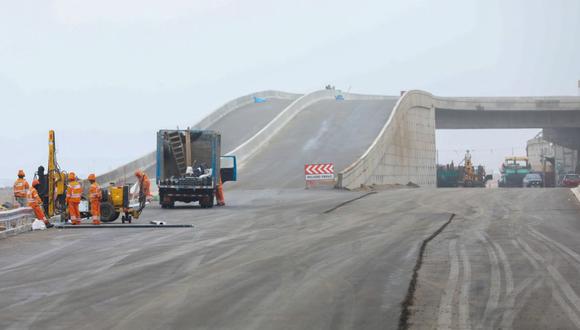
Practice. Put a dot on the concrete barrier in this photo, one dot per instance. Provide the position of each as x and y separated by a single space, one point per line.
16 221
404 150
148 161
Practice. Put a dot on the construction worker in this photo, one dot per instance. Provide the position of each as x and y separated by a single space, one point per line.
74 192
21 187
219 194
144 183
35 202
95 195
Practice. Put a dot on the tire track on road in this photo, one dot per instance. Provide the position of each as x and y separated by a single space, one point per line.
564 305
495 283
524 289
445 318
464 320
508 276
569 301
558 245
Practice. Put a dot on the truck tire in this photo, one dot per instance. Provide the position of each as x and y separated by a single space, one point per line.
108 212
206 202
167 204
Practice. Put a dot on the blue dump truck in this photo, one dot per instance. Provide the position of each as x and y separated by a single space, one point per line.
190 165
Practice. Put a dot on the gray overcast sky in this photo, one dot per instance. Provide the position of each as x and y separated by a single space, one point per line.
107 74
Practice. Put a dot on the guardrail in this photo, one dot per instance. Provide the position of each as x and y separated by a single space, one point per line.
15 221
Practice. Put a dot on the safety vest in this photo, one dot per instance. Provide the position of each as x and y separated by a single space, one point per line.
33 198
74 192
95 192
21 188
146 184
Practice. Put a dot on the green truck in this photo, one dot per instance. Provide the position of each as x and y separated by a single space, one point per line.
513 170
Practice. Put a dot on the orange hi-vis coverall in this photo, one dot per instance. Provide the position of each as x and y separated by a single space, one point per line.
219 194
73 198
146 184
35 203
95 195
21 188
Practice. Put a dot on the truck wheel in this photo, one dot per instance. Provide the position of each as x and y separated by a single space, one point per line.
206 202
167 204
108 212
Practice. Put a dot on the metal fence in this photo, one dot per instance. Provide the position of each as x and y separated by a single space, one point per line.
15 221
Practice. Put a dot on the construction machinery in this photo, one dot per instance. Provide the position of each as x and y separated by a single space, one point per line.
463 175
52 189
189 166
513 170
116 200
122 200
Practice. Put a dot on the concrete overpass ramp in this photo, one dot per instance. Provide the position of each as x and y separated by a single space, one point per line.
238 120
314 129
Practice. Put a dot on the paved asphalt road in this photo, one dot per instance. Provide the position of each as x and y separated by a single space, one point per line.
509 259
272 259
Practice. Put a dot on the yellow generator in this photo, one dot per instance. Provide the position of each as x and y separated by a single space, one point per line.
116 200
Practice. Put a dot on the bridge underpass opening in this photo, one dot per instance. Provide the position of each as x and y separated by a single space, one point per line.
488 147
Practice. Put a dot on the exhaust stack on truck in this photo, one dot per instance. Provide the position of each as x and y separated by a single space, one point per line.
189 166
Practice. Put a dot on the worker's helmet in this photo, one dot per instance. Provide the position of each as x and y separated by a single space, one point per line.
21 173
72 176
35 182
92 177
138 173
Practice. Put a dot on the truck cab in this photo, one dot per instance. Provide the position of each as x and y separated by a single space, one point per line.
513 171
189 166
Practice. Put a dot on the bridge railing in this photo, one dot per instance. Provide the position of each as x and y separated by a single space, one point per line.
15 221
